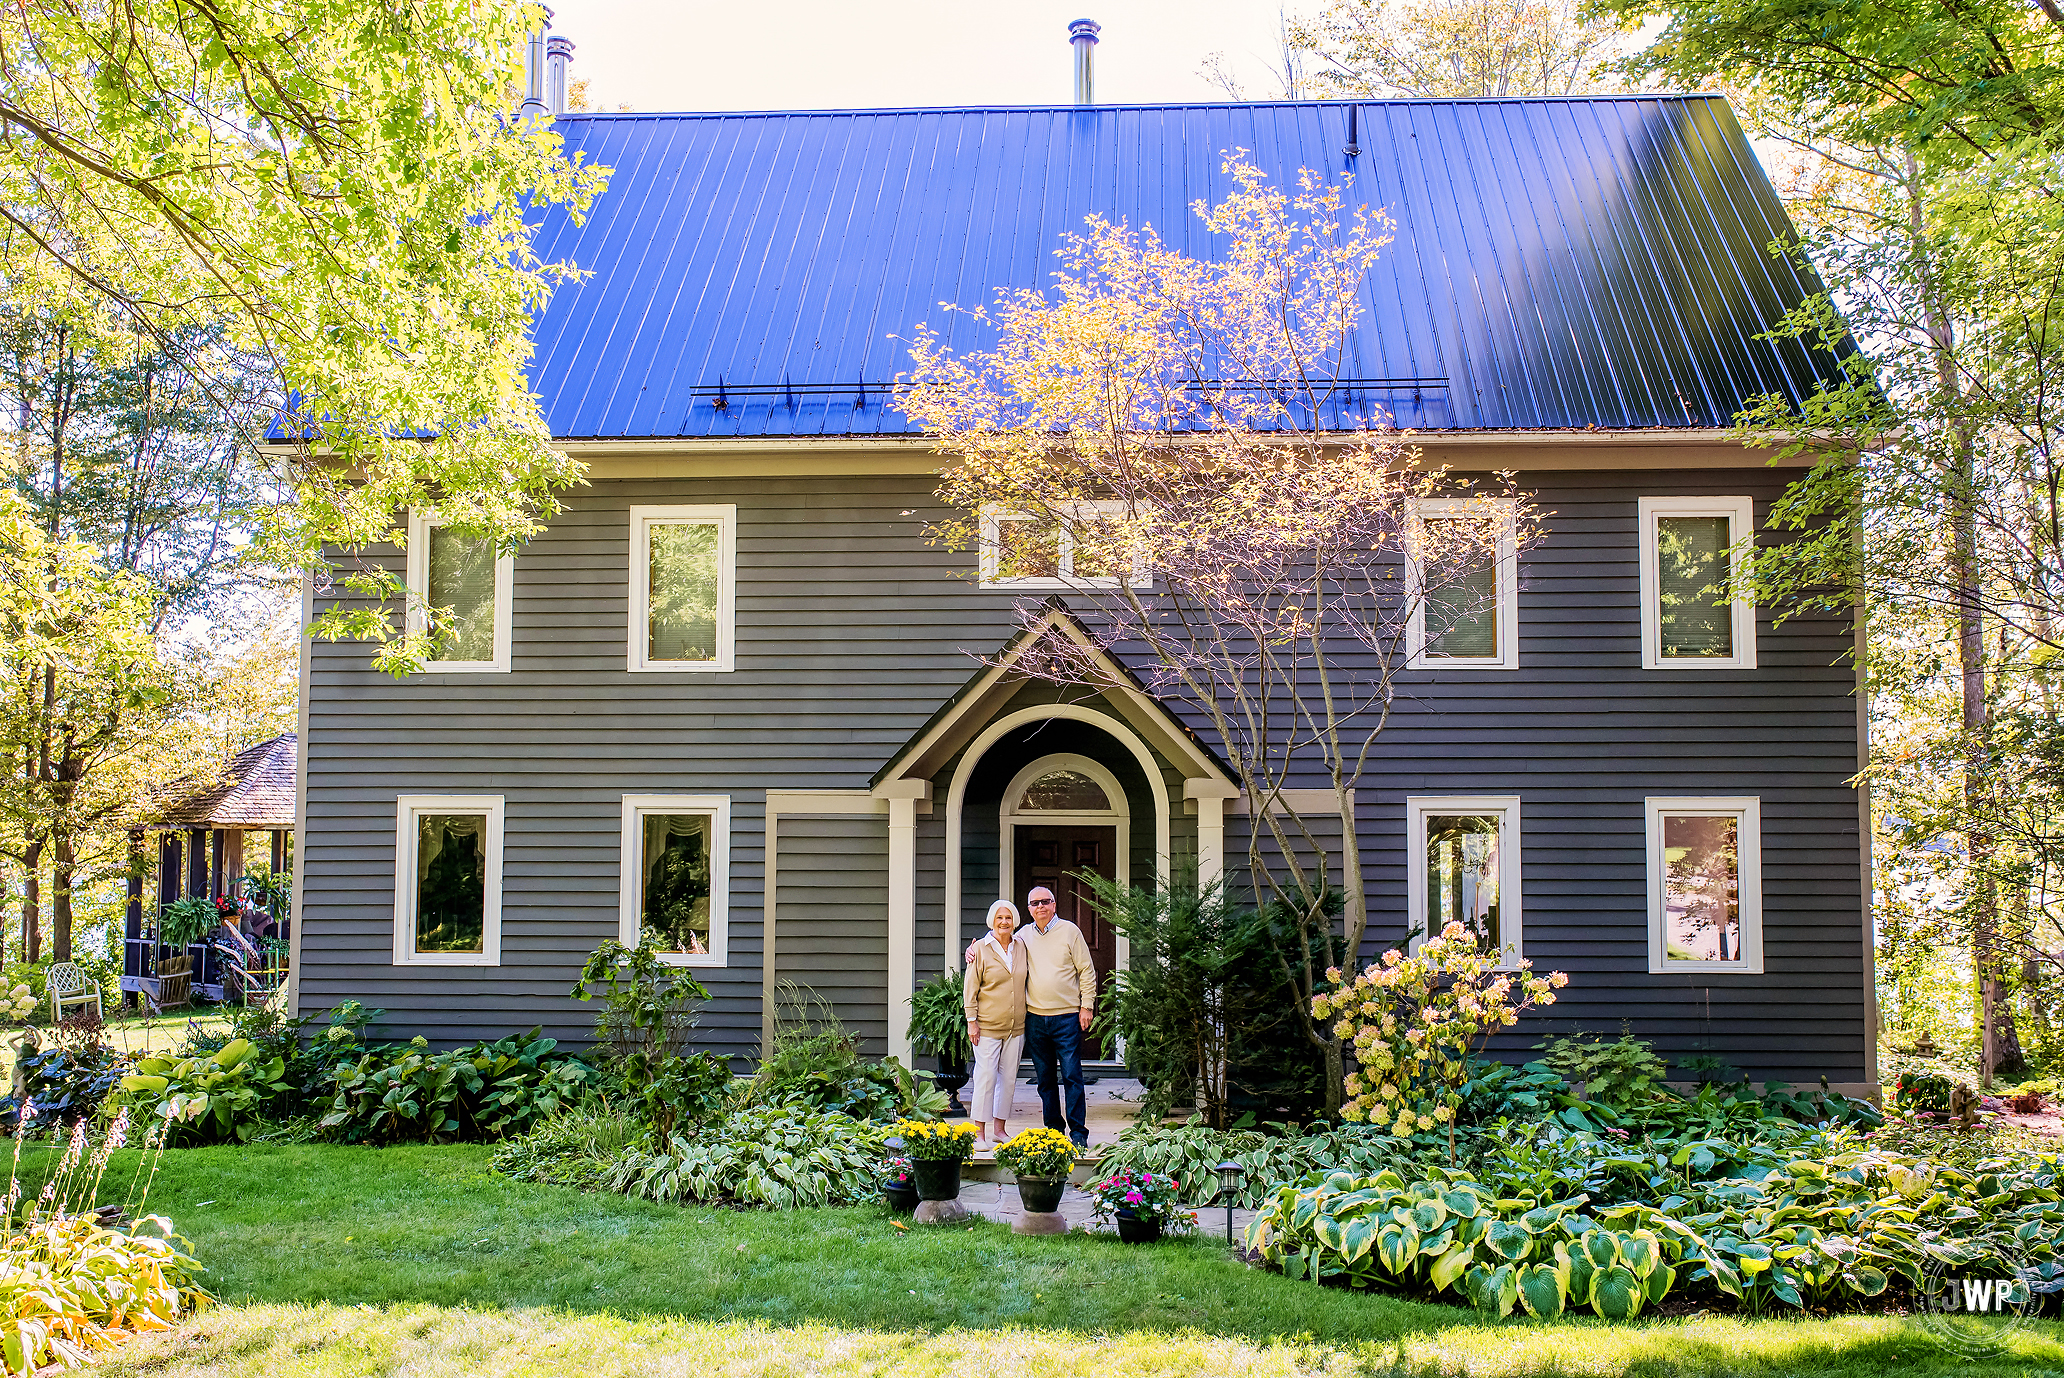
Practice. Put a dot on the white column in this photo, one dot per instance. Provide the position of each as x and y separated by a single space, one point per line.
1209 796
903 797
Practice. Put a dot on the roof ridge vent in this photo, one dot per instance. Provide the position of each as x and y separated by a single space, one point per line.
1082 34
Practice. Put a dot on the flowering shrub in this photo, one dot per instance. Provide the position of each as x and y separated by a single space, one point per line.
896 1169
19 1003
1415 1021
936 1141
1039 1152
1146 1195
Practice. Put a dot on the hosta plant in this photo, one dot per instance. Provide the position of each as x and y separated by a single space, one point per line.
779 1157
1416 1023
1445 1234
216 1098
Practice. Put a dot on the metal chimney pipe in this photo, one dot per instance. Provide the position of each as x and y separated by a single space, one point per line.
533 107
558 52
1083 35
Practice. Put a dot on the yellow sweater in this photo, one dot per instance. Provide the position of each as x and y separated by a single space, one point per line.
1063 978
995 993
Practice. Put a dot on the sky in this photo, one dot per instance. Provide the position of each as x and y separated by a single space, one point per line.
834 54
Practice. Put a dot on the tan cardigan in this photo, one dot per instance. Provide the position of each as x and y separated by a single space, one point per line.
995 993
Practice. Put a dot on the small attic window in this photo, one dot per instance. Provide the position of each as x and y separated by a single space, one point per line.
1064 791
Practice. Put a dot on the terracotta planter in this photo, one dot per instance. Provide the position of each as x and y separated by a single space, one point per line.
1133 1230
900 1197
1042 1194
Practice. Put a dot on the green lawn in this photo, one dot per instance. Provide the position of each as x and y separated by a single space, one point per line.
338 1261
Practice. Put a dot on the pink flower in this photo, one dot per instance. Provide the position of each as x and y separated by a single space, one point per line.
1133 1198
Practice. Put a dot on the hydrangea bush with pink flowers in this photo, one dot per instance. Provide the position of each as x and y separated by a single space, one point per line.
1414 1022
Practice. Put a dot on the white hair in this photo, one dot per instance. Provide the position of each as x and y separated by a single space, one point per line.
1001 907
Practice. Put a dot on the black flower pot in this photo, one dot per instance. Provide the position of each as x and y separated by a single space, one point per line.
1042 1194
936 1180
1135 1230
950 1077
901 1197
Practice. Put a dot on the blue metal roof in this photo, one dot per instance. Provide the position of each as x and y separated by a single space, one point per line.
1558 263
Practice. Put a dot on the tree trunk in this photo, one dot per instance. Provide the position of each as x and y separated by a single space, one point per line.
32 902
64 867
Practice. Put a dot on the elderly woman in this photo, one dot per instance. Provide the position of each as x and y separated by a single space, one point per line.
995 1000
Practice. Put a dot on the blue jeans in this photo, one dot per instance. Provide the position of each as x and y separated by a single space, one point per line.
1057 1038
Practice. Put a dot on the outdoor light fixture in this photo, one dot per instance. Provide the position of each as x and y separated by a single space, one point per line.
1230 1177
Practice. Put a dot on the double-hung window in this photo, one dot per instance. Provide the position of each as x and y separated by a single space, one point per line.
1705 885
1464 868
683 587
677 874
1463 568
1691 616
1088 548
459 595
448 880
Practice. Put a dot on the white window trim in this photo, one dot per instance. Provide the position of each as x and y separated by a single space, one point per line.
419 528
407 808
643 519
716 808
1506 806
1741 528
1749 883
991 538
1502 510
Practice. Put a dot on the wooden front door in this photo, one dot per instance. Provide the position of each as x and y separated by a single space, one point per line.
1056 857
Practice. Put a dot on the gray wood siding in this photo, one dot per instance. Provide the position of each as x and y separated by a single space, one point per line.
832 898
852 631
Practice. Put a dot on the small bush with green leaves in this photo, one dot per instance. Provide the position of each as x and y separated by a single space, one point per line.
820 1067
938 1021
209 1098
681 1093
1618 1075
409 1094
66 1077
578 1147
782 1157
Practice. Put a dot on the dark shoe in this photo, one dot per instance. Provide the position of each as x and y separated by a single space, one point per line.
1081 1142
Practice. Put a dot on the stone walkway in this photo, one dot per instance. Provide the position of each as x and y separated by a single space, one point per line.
999 1201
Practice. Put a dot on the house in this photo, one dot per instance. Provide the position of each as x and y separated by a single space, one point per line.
207 846
731 690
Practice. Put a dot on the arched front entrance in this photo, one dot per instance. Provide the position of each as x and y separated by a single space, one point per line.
1063 818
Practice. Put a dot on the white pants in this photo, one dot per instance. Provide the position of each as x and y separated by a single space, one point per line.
996 1077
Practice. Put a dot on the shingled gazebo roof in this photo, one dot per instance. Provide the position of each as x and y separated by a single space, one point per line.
257 791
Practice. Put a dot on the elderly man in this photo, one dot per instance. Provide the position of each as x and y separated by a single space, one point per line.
1060 998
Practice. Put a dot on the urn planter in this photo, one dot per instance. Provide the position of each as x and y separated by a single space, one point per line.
938 1191
901 1197
1042 1200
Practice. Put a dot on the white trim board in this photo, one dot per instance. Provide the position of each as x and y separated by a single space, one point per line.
630 884
1506 597
1748 809
638 635
1741 533
417 612
407 808
1511 924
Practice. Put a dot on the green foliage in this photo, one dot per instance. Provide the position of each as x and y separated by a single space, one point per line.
683 1091
1923 1091
216 1097
1203 975
66 1079
1618 1075
69 1283
938 1020
781 1157
648 1003
816 1064
1417 1023
1191 1152
1143 1195
576 1147
186 921
1445 1233
489 1090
